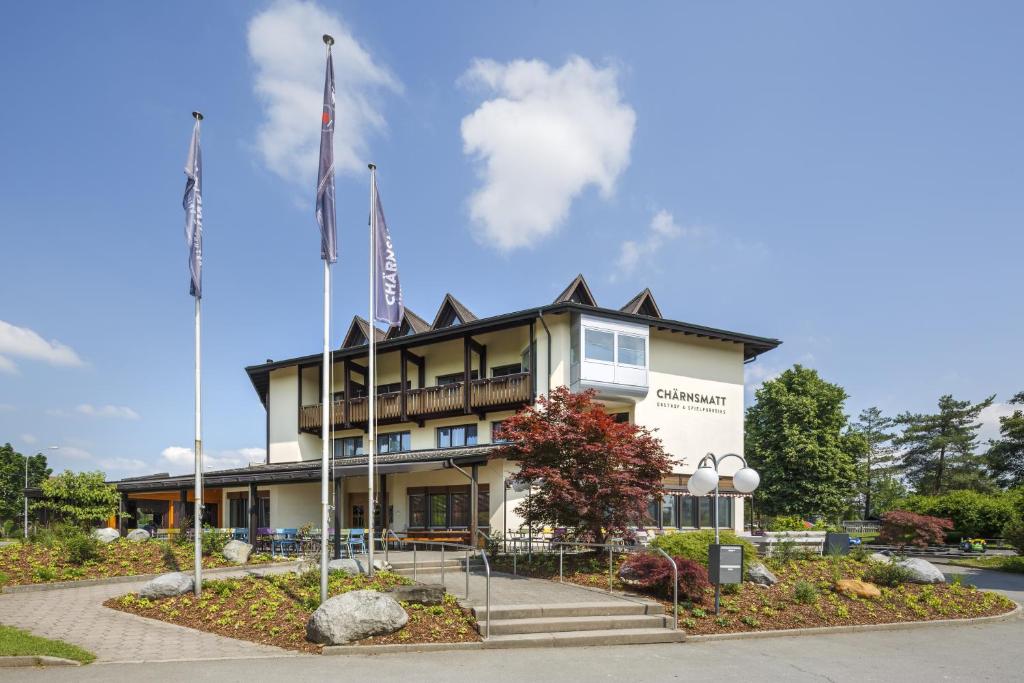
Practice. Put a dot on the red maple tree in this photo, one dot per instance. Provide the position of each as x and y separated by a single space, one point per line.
589 473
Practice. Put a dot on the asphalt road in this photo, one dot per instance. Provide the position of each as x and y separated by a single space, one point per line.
979 652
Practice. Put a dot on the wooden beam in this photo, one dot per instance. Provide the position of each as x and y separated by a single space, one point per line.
474 506
346 370
254 518
533 362
403 360
466 350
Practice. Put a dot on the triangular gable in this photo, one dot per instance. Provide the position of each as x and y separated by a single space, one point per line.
643 304
452 313
359 333
411 324
577 292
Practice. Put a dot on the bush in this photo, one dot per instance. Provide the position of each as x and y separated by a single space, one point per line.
654 573
1014 535
975 515
805 592
80 546
887 574
788 523
902 528
213 540
693 545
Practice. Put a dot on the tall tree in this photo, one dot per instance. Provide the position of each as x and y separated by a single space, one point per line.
879 458
1006 454
938 450
588 471
797 438
82 498
12 479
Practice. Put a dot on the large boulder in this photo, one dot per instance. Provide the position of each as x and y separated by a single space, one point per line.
353 616
760 574
236 551
353 565
138 535
879 557
106 534
167 586
418 593
922 571
860 589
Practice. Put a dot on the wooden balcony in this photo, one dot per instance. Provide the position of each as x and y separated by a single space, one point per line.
497 393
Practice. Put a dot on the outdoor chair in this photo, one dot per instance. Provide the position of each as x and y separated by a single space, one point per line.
240 534
285 541
356 539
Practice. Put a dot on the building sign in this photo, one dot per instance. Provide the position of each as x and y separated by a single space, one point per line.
691 401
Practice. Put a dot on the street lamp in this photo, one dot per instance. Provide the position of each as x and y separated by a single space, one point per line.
705 480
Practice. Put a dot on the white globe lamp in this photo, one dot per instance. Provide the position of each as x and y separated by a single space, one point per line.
703 481
746 480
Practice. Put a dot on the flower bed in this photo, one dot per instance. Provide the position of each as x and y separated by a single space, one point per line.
273 610
29 563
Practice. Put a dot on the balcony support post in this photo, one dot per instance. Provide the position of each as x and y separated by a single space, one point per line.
346 371
403 380
254 518
466 363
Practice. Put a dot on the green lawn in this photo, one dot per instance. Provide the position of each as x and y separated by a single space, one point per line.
1002 563
17 642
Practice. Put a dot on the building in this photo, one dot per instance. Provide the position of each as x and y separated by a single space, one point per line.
444 386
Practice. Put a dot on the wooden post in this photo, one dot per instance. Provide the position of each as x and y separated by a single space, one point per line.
338 481
403 378
474 506
465 377
122 522
348 393
254 515
184 506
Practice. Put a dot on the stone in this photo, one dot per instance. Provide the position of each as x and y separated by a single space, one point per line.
138 535
236 551
418 593
353 616
760 574
304 566
860 589
879 557
167 586
922 571
352 565
106 534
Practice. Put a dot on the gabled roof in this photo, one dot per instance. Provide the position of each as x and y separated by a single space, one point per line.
359 333
577 292
643 304
411 324
451 313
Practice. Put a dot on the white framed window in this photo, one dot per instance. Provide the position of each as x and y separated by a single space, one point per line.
632 350
599 345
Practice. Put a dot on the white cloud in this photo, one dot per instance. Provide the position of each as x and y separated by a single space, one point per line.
663 229
286 48
124 464
29 438
21 342
754 375
184 458
119 412
989 419
72 452
545 136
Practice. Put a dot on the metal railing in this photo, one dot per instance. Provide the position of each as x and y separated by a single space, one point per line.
467 551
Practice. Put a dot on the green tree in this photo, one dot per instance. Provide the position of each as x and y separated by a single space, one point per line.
878 459
797 438
889 494
12 479
938 450
82 498
1006 454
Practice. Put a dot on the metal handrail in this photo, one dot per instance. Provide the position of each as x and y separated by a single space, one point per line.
384 541
675 587
467 549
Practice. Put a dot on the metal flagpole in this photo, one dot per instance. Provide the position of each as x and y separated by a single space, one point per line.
326 405
372 426
197 520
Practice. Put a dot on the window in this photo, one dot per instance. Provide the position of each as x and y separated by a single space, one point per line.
632 350
359 516
238 510
505 370
348 446
651 518
417 510
392 388
524 358
686 512
725 512
459 435
394 442
621 418
496 432
460 509
668 511
599 345
447 507
438 510
456 377
704 505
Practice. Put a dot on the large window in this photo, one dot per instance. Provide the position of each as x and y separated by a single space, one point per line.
496 436
438 510
392 388
632 350
238 509
689 512
446 507
505 370
348 446
456 377
417 510
459 435
394 442
599 345
668 511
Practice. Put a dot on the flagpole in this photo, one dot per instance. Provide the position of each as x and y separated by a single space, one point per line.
326 405
372 425
197 516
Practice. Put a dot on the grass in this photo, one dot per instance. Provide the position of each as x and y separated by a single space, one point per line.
17 642
1002 563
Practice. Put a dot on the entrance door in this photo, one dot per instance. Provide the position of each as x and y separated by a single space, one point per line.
357 518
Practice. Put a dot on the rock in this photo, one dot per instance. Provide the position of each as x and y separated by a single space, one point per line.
418 594
353 616
236 551
304 566
922 571
138 535
352 565
167 586
861 589
879 557
106 534
760 574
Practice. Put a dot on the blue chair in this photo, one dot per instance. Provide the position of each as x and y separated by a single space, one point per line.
285 540
240 534
356 539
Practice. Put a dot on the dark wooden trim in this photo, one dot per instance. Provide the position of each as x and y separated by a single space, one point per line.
298 399
254 518
466 366
346 369
533 361
474 505
403 378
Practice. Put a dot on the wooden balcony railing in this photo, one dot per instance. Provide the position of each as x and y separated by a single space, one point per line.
448 399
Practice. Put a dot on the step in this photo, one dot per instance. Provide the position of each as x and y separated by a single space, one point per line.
569 609
640 636
501 627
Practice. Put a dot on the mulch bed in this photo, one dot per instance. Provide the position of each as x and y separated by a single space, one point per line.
30 563
273 610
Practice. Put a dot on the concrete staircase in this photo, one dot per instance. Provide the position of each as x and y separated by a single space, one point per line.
617 622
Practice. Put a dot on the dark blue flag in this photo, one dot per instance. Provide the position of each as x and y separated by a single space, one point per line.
325 180
193 205
388 307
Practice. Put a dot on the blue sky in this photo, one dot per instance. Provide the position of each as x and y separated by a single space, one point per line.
846 178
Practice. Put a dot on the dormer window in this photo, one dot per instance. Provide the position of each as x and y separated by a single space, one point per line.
614 358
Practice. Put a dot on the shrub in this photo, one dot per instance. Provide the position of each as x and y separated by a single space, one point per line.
1014 534
974 514
693 545
805 592
80 546
213 540
887 574
788 550
1012 564
788 523
654 573
902 528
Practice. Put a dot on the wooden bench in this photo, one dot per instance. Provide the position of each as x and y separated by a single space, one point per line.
437 537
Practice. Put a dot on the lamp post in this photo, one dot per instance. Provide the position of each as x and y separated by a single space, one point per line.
705 480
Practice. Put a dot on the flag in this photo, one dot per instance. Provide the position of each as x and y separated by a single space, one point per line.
388 307
325 180
193 205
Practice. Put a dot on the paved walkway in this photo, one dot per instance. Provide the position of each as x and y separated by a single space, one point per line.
77 615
